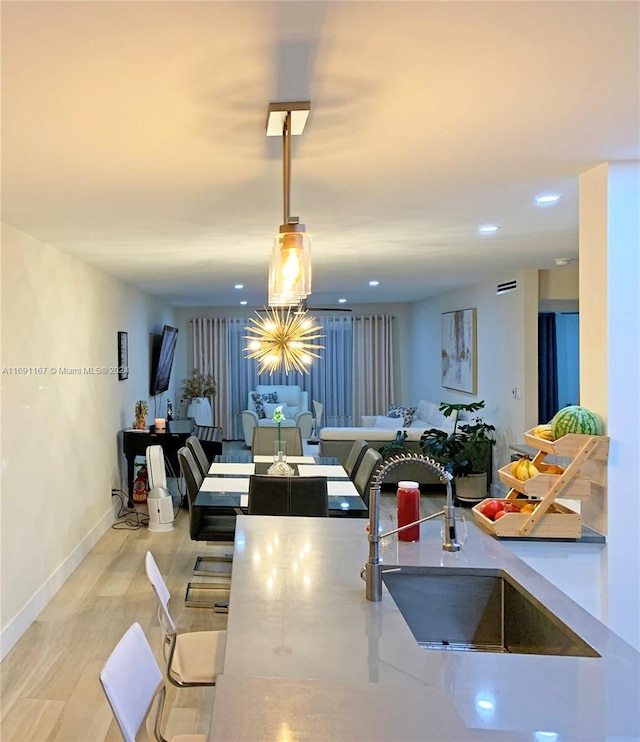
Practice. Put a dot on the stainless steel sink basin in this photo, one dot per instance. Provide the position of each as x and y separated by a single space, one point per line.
478 610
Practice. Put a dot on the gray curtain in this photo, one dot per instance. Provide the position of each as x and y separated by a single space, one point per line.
353 377
373 377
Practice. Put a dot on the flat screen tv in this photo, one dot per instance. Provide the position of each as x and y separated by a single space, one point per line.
162 359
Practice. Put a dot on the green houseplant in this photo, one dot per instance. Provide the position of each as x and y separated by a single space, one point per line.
465 452
199 390
396 446
199 385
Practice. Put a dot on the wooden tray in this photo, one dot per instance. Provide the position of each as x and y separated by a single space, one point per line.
569 445
558 522
579 488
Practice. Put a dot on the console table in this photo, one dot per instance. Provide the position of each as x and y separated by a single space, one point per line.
135 443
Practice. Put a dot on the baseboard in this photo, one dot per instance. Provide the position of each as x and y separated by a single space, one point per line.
21 622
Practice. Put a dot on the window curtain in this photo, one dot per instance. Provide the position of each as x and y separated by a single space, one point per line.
547 367
329 380
219 349
210 357
373 376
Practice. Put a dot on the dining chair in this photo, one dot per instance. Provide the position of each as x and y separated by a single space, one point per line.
193 658
370 461
305 496
264 438
199 455
132 682
206 525
354 459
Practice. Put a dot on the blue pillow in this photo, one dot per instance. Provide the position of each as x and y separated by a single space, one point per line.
260 399
406 413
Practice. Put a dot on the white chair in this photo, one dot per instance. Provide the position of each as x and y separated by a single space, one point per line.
293 397
132 680
193 658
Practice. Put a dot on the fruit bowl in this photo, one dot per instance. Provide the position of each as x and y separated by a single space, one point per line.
558 522
569 445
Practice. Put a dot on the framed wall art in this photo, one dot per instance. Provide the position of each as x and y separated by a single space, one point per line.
459 353
123 356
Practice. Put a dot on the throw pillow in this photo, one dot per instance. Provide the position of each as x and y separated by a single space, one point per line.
270 407
388 423
406 413
425 410
260 399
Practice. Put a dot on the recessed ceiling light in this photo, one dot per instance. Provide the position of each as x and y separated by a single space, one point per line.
243 303
374 283
544 199
485 704
488 229
239 286
342 301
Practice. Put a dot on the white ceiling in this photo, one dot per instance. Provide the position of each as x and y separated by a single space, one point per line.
133 136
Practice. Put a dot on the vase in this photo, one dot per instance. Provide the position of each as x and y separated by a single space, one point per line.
200 410
279 450
141 422
280 468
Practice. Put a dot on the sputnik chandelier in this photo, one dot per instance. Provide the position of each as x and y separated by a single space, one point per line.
284 337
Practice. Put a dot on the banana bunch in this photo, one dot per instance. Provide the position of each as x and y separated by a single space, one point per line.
543 431
523 469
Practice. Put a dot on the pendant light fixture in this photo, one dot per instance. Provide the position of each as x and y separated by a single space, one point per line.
283 337
290 265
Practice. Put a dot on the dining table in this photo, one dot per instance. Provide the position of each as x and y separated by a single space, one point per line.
226 484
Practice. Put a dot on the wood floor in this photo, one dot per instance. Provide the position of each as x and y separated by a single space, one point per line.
49 681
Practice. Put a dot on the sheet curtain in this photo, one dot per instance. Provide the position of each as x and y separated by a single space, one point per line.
373 375
334 379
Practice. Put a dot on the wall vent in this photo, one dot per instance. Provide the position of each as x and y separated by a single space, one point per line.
504 288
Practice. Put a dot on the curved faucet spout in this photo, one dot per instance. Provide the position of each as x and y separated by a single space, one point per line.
373 568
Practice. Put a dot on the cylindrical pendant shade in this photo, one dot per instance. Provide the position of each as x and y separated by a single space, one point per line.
290 267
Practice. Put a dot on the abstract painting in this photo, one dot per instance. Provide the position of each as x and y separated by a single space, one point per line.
459 350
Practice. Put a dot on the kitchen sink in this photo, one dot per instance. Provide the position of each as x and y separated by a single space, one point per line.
478 610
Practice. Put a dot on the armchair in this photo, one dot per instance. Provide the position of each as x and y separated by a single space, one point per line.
265 397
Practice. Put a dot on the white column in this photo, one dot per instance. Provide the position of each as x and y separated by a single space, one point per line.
610 369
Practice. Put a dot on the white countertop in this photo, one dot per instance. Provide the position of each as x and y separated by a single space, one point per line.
309 658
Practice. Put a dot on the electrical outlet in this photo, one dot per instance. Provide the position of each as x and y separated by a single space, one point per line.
516 392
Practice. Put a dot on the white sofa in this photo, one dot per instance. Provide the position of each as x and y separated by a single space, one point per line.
295 407
377 430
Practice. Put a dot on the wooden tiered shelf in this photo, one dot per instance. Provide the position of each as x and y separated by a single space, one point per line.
583 477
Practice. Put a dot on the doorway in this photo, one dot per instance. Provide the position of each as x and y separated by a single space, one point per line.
558 362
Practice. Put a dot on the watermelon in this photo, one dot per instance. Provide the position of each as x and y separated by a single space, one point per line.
574 419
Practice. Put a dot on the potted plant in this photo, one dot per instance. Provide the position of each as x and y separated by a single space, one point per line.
465 452
396 446
199 389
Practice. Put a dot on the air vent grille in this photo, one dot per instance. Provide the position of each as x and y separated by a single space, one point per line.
506 287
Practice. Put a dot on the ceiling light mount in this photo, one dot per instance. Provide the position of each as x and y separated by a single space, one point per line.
277 113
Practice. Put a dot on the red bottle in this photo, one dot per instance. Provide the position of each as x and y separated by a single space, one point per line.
408 510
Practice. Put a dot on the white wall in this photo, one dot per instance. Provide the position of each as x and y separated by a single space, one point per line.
60 444
610 368
504 354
